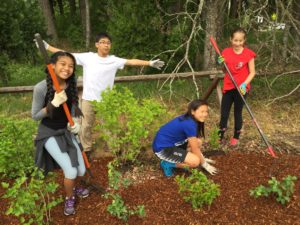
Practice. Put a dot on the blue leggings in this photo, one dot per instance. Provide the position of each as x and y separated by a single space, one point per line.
63 159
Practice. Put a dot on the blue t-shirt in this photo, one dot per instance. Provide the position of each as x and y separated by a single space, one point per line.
174 133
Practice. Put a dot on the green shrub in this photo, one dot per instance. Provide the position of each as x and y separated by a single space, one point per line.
125 122
16 146
25 74
31 198
197 189
281 190
214 138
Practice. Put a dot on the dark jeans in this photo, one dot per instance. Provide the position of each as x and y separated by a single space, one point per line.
228 99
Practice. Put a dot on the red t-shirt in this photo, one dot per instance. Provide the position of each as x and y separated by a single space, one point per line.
238 66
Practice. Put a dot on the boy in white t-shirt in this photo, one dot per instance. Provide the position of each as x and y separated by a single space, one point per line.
99 70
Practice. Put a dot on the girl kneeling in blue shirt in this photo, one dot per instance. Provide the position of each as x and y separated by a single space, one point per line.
178 143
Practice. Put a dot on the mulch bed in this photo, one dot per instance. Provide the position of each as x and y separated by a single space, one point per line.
238 173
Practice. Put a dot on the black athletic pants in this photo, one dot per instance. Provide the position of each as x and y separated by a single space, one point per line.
228 99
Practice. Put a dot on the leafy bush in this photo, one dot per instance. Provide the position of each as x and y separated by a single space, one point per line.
25 17
197 189
25 74
125 122
118 207
282 190
16 146
31 199
214 138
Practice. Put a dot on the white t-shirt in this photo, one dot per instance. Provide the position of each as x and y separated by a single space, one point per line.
98 73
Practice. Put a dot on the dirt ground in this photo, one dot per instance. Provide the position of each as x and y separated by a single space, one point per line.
239 172
241 168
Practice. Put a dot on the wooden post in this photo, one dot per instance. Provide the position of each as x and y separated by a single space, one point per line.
215 81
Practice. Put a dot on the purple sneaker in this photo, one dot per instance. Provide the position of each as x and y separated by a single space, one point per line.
81 192
69 206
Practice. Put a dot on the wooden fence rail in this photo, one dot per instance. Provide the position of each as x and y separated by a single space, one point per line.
135 78
211 74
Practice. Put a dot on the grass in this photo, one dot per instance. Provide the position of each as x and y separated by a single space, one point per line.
15 104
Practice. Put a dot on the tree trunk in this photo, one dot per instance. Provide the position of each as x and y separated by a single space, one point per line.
46 9
233 8
285 41
51 4
211 18
82 9
72 5
87 24
61 7
85 20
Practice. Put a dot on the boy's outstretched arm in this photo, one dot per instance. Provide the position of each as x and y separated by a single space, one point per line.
49 47
53 49
157 63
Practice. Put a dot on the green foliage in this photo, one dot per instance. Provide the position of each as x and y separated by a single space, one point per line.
197 189
115 179
135 28
118 208
30 198
24 74
4 75
125 122
214 138
282 190
73 32
16 146
19 21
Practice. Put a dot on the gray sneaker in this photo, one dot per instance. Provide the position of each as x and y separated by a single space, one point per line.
69 206
81 192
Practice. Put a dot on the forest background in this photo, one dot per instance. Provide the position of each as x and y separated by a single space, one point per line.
176 31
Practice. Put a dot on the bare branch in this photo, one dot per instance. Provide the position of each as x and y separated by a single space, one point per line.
284 96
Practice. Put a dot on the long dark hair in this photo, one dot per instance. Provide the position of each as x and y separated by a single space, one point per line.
71 81
194 105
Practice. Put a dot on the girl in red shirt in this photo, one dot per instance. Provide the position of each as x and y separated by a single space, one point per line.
240 61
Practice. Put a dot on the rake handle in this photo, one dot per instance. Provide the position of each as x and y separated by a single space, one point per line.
270 150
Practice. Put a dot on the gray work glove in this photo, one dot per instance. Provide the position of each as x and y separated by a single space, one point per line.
75 128
59 98
44 42
209 168
157 63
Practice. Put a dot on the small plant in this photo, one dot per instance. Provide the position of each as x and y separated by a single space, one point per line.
214 138
282 190
115 179
197 189
31 199
117 207
125 122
